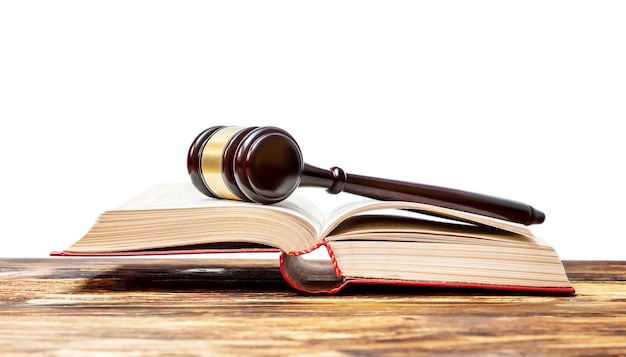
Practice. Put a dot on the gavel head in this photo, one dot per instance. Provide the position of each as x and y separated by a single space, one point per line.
257 164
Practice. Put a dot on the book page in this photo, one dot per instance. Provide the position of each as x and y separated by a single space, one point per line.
185 195
404 228
359 207
178 216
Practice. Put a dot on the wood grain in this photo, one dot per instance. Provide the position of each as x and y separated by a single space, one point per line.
188 307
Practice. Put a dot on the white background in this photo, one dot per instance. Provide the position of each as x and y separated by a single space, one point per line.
520 99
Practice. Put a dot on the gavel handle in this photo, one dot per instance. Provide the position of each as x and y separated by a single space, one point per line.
336 180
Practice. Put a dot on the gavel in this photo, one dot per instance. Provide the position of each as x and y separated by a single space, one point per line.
265 165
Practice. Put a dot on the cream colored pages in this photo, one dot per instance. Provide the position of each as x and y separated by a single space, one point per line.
179 215
171 215
341 213
185 195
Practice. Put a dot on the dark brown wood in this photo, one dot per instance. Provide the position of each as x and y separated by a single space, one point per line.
259 164
194 160
228 171
265 165
336 180
154 307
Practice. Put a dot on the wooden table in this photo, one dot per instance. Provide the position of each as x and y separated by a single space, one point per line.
154 307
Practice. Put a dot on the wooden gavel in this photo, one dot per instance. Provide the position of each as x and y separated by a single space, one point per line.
265 165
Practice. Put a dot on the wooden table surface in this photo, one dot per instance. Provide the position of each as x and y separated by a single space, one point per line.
187 307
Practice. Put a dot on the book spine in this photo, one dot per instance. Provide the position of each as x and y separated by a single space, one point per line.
331 255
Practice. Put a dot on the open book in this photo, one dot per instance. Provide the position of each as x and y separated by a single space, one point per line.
368 241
